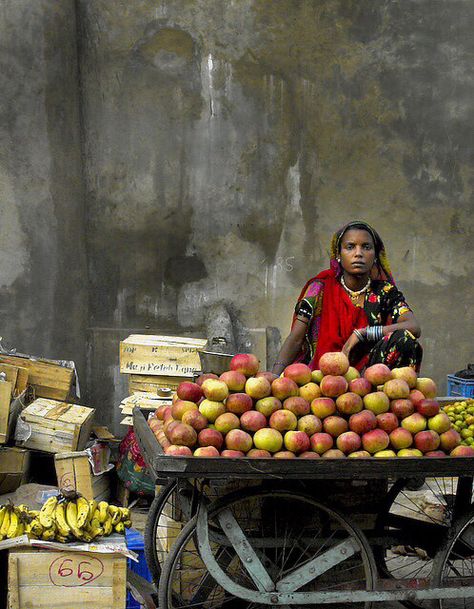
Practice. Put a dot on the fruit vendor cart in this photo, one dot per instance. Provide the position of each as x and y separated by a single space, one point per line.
281 537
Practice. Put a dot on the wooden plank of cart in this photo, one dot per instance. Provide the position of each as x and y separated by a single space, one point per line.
279 539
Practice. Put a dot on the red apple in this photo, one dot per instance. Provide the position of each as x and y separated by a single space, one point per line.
232 454
349 403
378 374
268 375
209 375
377 401
428 408
400 438
258 453
317 376
334 363
375 440
211 410
246 363
194 418
300 373
435 453
253 421
190 392
284 454
323 407
308 454
258 387
426 441
234 380
333 453
268 439
267 406
182 435
178 451
407 374
351 374
427 387
296 405
335 425
210 437
296 441
362 422
416 397
449 440
215 390
414 423
238 403
206 451
333 386
163 412
402 408
180 407
462 451
348 442
361 386
283 420
310 391
321 442
283 388
396 389
227 421
439 423
387 421
310 424
237 439
359 454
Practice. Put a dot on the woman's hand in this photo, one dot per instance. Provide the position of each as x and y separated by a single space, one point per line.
350 343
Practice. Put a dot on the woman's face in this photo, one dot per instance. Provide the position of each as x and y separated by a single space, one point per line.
357 252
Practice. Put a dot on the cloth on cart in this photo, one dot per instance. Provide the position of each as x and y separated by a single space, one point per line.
332 316
131 468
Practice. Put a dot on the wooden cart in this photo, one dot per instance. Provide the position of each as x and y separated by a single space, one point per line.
288 540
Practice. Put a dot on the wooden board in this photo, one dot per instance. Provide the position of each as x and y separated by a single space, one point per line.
154 384
160 355
14 468
66 580
48 380
5 400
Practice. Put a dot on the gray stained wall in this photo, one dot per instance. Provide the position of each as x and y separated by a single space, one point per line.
221 144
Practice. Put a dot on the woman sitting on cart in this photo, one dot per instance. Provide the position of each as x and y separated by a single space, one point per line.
354 307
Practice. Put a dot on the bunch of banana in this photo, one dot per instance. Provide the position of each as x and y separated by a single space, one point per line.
64 519
12 521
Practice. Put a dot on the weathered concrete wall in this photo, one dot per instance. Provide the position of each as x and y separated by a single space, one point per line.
223 142
43 274
227 140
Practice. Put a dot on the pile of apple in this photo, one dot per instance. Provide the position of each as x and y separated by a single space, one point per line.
332 412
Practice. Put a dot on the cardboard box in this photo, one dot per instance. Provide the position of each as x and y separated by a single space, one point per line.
66 580
49 380
14 467
54 426
152 355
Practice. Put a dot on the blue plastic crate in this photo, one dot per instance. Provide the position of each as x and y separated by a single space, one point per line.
460 387
135 542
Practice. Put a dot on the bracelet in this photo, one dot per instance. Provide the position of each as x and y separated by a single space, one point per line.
359 335
279 364
374 333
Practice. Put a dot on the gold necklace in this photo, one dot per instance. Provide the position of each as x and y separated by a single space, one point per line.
353 294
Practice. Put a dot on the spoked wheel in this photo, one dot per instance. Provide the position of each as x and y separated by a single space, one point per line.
252 545
412 525
454 565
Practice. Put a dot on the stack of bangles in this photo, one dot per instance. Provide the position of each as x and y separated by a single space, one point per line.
372 334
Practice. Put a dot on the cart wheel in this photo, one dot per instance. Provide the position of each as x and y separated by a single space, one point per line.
412 525
283 531
454 564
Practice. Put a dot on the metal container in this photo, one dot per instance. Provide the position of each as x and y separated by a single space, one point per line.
214 362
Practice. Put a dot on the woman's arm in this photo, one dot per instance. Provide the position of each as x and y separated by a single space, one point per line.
292 345
407 321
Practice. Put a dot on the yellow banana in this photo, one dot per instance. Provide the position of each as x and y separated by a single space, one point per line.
3 510
107 526
119 527
115 513
61 522
47 511
71 517
92 507
125 513
103 511
127 523
49 534
87 537
61 538
13 524
6 523
34 528
82 511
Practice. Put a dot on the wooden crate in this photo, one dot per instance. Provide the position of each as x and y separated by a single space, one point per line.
66 580
138 383
152 355
14 467
49 380
17 376
5 401
74 473
55 426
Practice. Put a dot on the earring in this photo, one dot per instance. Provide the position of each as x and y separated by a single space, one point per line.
339 260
